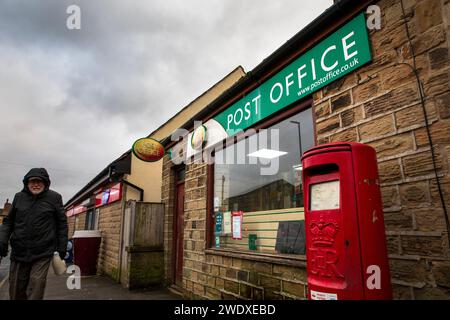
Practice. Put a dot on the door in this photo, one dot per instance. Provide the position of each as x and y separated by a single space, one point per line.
178 235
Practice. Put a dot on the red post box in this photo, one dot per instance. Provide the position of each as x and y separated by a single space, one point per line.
345 236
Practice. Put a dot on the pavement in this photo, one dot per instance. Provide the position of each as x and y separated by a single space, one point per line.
92 288
4 270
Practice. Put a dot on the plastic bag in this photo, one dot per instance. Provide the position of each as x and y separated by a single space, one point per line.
59 266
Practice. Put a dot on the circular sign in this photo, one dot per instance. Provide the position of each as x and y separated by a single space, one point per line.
198 139
148 149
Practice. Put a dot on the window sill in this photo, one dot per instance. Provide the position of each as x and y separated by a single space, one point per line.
281 259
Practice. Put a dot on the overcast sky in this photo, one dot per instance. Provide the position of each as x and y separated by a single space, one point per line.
74 100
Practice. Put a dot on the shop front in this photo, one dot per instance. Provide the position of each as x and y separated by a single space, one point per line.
232 186
123 201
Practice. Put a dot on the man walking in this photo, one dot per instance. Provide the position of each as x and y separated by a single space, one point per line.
36 227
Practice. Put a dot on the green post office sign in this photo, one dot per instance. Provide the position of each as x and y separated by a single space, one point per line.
344 51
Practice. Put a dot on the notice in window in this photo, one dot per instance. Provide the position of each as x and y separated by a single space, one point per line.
217 242
325 196
236 220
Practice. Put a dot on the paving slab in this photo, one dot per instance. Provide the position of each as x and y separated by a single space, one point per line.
92 288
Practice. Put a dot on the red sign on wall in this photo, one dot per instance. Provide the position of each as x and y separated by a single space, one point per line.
108 195
76 210
103 196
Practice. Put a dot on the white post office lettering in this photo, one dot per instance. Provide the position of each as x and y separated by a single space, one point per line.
238 115
322 60
348 46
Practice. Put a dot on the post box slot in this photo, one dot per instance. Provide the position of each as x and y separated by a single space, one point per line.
323 170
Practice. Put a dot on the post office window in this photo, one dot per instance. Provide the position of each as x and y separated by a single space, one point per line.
271 204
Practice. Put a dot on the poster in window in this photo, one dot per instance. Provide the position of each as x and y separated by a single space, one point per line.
226 223
219 218
236 225
291 237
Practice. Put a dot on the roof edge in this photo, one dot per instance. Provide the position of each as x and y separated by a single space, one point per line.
347 8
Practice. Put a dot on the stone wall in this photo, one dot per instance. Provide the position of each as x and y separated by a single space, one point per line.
110 226
220 275
194 261
168 198
380 105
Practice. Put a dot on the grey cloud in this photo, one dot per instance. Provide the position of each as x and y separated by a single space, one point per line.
73 100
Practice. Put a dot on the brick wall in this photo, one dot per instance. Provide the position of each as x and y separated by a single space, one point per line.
110 225
380 105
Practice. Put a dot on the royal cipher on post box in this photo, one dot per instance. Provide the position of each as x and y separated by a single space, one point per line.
345 235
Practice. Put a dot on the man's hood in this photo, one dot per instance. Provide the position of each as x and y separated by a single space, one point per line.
38 173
